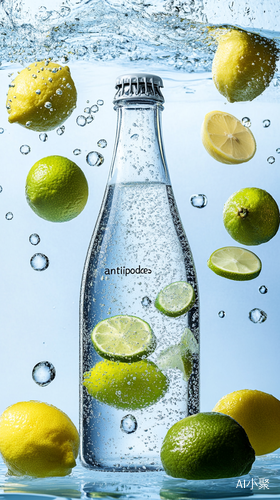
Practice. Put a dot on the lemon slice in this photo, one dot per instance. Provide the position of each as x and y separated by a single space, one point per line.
123 338
226 139
235 263
175 299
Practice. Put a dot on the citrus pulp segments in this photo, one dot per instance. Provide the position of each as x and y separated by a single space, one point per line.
235 263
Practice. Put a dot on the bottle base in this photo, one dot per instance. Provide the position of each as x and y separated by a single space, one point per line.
119 467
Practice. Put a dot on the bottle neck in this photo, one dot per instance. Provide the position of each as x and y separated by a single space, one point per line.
138 154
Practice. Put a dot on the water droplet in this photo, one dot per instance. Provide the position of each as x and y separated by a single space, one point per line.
43 373
25 149
50 80
278 150
263 289
257 315
81 121
266 123
68 86
34 76
39 262
134 137
59 92
43 137
100 102
28 124
1 130
94 108
87 110
89 118
221 314
77 152
94 159
11 85
8 106
34 239
129 424
199 200
9 215
48 105
54 70
38 92
102 143
1 189
60 130
146 302
271 159
246 121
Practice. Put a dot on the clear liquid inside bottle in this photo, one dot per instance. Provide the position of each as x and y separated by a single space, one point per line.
138 247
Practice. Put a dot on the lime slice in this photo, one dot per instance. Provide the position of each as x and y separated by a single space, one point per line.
175 299
235 263
180 356
123 338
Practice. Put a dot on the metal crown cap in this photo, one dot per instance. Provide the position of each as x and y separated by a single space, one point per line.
139 86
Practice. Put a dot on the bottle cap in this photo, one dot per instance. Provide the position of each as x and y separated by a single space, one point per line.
139 86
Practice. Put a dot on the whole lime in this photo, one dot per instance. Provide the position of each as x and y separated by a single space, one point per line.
56 189
38 439
207 446
258 413
42 96
244 64
126 386
251 216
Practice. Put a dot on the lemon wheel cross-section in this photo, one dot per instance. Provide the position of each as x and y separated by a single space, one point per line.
235 263
175 299
123 338
226 139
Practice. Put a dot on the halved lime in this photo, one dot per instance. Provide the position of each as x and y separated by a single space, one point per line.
123 338
175 299
180 356
235 263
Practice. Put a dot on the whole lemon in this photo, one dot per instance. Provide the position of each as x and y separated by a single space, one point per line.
258 413
42 96
126 386
244 65
56 189
251 216
207 446
38 439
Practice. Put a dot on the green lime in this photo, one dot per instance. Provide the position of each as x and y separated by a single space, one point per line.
235 263
207 446
175 299
56 189
251 216
126 386
180 356
123 338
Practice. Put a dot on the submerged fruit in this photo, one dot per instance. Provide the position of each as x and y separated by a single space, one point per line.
207 446
126 386
38 439
251 216
226 139
244 64
175 299
258 413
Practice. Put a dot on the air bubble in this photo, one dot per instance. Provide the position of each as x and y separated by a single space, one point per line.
146 302
271 160
28 124
100 102
277 150
43 373
199 200
34 239
266 123
43 137
54 70
60 130
246 121
77 152
135 137
94 108
221 314
263 289
94 159
38 92
257 315
102 143
50 80
81 121
59 92
25 149
129 424
48 105
87 110
34 76
89 118
39 262
9 215
1 189
1 130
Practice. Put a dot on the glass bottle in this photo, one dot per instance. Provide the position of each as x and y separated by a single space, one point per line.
138 247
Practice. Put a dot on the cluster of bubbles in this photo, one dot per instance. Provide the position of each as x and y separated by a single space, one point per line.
89 111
